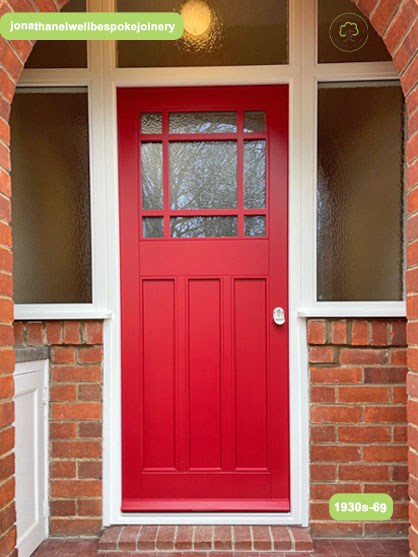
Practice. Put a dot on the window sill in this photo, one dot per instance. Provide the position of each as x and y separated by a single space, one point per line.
354 309
61 312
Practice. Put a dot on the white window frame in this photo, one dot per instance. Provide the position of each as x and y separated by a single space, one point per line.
302 74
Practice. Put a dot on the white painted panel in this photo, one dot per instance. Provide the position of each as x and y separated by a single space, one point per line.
31 455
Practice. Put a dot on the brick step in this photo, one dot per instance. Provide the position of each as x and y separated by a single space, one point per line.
204 539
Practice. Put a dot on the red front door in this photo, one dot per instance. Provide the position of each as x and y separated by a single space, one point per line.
203 224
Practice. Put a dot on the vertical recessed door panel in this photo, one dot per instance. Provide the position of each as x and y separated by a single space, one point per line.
205 402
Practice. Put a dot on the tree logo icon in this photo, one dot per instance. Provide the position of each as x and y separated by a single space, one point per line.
349 32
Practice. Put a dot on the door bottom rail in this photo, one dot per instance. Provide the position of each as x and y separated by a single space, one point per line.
203 539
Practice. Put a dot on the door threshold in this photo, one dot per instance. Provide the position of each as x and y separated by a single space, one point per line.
204 505
204 539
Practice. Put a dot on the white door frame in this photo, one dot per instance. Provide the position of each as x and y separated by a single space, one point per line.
302 75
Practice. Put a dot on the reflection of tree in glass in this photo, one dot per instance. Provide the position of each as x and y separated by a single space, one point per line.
152 227
203 227
255 225
203 175
254 174
152 175
203 122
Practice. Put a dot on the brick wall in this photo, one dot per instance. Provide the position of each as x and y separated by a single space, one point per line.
75 427
358 420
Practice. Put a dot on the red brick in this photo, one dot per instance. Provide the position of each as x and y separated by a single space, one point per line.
408 81
63 354
76 488
322 394
222 538
398 492
93 507
400 473
412 196
400 434
385 414
360 333
8 542
75 526
323 472
62 507
184 539
379 333
109 538
242 537
319 511
367 6
335 375
364 356
146 539
399 25
54 332
363 434
6 386
281 538
363 394
165 537
399 395
63 392
335 453
7 414
74 374
339 332
6 288
90 469
326 491
94 332
7 493
316 332
378 453
62 430
90 355
384 375
72 332
412 331
7 360
5 234
6 310
261 538
7 467
90 429
303 541
384 14
335 414
76 449
18 333
5 206
202 537
412 170
362 473
412 224
398 357
7 440
129 534
323 434
90 391
77 411
62 469
7 517
34 334
321 354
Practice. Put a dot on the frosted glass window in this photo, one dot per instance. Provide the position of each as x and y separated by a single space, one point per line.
153 227
254 174
254 122
51 196
360 192
203 175
203 122
254 225
152 175
151 122
60 54
217 33
346 35
203 227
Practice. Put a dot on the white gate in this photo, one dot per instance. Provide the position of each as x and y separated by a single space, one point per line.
31 423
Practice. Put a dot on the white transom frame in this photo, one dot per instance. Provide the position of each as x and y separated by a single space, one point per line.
302 74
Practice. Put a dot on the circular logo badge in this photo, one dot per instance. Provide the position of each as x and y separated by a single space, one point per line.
349 32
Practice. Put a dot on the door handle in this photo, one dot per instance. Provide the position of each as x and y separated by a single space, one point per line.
279 316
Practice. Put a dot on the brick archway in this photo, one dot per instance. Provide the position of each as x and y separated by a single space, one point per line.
397 22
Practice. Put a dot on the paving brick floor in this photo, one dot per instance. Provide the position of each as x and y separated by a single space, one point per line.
322 548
